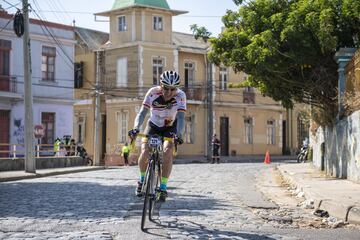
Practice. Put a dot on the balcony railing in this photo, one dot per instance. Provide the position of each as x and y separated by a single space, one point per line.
194 93
8 84
248 97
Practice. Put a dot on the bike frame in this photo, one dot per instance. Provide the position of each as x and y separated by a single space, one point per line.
152 174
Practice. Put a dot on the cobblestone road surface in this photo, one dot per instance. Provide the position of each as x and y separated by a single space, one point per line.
205 202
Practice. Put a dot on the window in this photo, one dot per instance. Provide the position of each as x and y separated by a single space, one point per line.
80 134
121 72
158 23
223 78
48 121
158 66
5 47
249 95
122 120
189 73
48 63
189 130
122 23
79 73
248 130
270 132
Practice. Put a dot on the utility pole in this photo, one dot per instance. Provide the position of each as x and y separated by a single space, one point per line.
97 119
210 109
28 99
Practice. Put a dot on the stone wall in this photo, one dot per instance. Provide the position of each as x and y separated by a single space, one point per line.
342 148
41 163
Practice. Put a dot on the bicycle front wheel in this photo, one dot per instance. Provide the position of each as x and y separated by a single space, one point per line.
147 185
155 185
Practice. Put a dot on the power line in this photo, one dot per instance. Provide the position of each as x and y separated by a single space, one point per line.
12 5
62 7
57 42
6 25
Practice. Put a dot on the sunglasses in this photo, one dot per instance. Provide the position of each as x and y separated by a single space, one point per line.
168 89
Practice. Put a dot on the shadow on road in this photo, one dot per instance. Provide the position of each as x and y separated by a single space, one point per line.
67 200
174 216
193 230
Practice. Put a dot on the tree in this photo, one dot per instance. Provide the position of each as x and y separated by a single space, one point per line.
200 32
287 47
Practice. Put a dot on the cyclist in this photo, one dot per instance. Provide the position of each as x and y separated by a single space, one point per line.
167 105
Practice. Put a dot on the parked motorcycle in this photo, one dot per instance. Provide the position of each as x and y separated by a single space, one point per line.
81 151
302 156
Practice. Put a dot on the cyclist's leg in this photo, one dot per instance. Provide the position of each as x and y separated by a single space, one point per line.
142 168
143 158
168 158
167 162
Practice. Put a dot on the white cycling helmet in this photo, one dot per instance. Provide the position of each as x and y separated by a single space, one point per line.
170 79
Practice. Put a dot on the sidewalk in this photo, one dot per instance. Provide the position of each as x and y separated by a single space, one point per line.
235 159
339 197
19 175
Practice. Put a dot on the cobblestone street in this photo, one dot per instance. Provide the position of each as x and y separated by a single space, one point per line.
205 202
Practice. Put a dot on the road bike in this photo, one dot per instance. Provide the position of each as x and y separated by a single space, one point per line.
152 175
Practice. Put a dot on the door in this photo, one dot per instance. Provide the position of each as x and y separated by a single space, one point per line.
224 136
5 47
284 149
4 131
48 120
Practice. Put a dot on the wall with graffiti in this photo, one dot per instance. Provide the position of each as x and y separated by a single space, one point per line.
63 120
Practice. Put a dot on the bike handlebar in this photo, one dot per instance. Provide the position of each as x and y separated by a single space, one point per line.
149 135
132 143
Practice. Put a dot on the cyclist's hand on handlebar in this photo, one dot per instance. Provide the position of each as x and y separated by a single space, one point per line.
132 133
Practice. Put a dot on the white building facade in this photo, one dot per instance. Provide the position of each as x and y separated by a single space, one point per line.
52 57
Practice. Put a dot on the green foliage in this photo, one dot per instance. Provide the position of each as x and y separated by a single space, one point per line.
288 47
200 32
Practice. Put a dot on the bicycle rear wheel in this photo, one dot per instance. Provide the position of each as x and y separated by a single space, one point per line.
147 185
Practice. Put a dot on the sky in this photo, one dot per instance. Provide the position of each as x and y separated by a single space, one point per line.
205 13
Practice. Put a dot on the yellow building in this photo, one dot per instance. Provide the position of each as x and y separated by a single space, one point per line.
141 46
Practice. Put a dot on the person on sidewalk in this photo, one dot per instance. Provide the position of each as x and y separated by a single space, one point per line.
57 146
72 148
215 143
125 152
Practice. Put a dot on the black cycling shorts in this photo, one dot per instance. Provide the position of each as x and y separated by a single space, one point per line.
216 152
168 132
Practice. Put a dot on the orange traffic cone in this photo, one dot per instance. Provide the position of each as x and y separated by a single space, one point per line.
267 157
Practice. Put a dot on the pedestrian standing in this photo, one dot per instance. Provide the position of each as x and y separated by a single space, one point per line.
72 147
215 142
125 152
57 146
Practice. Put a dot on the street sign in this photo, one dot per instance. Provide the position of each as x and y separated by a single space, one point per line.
39 131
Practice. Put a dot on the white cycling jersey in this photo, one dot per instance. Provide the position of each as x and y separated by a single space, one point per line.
163 113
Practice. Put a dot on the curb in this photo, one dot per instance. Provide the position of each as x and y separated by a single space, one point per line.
50 173
349 214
